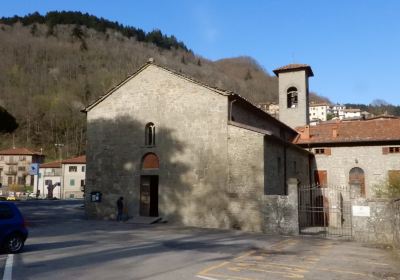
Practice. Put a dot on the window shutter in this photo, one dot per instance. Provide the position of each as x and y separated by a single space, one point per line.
328 151
385 150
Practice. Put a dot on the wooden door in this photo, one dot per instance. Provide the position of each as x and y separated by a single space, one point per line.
321 178
148 196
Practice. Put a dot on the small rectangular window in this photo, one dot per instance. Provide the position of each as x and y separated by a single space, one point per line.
21 181
48 182
72 182
21 168
83 169
82 183
73 168
322 151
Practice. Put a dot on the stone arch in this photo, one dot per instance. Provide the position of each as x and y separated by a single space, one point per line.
150 161
292 97
357 179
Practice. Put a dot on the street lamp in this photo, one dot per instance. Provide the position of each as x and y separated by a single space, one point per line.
59 147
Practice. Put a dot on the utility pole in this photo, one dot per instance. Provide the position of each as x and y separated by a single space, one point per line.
59 147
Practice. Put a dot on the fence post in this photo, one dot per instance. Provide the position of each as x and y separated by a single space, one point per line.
293 201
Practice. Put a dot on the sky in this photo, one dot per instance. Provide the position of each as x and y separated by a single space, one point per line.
353 46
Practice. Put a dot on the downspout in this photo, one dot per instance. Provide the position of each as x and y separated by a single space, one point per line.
230 109
227 145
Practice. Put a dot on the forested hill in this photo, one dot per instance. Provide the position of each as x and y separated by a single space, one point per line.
52 66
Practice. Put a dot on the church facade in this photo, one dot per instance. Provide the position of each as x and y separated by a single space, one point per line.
189 153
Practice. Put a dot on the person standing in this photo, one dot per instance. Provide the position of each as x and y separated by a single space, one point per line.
120 208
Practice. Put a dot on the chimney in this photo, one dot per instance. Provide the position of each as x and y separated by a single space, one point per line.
306 134
335 132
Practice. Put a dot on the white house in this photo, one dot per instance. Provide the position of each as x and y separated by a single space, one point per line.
73 179
352 113
319 112
50 180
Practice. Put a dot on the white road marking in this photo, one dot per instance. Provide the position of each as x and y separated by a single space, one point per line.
8 269
207 278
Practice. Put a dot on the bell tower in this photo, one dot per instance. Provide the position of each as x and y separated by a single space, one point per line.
293 94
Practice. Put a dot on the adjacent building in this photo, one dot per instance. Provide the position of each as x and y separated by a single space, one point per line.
73 177
50 180
362 154
319 112
14 167
62 179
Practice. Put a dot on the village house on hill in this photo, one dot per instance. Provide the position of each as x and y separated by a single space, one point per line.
15 164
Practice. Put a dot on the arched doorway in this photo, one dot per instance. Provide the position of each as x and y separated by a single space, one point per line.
357 180
149 186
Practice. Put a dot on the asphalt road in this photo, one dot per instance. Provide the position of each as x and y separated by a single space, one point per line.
63 245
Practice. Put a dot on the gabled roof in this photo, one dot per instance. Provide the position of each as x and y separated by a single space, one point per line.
149 63
53 164
294 67
75 160
370 130
185 77
19 151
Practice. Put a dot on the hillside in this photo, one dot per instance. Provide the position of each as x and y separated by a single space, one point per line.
52 66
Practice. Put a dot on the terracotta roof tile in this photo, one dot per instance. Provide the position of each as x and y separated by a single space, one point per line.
371 130
293 67
77 160
53 164
18 151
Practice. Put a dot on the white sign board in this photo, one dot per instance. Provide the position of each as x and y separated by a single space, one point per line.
361 211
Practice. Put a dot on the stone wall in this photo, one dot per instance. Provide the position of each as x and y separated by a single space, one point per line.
396 223
369 158
246 178
381 226
299 116
281 211
191 144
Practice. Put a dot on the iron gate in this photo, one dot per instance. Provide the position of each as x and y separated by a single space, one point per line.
325 211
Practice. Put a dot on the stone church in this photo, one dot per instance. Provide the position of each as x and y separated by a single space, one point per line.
194 154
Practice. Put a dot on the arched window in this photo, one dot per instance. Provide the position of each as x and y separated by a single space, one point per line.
150 161
150 135
357 180
292 97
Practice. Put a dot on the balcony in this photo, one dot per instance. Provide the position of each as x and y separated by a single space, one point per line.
10 172
52 173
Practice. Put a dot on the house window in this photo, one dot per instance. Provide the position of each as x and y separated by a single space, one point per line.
150 134
292 100
1 157
21 181
48 182
21 168
82 183
72 182
390 150
21 157
73 168
83 168
322 151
